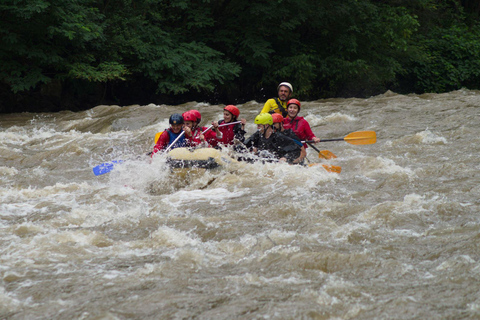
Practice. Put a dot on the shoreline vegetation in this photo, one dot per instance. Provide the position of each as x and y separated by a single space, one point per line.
75 54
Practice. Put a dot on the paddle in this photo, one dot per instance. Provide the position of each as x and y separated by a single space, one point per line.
108 166
324 153
105 167
207 129
221 125
174 141
328 167
327 155
357 138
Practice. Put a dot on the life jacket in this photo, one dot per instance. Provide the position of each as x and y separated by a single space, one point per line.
281 108
231 132
172 136
291 123
210 137
289 133
277 144
300 127
194 140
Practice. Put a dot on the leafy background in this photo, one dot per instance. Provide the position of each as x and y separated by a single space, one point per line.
76 54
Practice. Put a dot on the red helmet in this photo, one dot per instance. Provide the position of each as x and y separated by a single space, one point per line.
233 110
197 114
294 101
189 116
277 118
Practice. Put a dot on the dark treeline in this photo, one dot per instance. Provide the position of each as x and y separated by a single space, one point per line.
76 54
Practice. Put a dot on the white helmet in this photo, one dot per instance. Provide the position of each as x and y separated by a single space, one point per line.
286 84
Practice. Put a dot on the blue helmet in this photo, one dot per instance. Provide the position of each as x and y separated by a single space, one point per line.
176 118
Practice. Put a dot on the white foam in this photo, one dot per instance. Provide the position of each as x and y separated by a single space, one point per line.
169 237
338 117
428 137
7 303
8 171
388 166
213 196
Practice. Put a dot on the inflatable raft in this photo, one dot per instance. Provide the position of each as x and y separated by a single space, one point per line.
210 158
185 159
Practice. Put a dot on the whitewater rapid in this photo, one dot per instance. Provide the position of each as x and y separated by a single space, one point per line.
394 236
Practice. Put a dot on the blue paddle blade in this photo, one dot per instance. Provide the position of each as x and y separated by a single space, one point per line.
105 167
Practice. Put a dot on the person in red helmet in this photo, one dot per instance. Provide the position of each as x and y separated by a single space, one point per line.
297 124
278 127
234 131
279 105
194 133
197 114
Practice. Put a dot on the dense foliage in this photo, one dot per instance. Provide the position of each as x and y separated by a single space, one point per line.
79 53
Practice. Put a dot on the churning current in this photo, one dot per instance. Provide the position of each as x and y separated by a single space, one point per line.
393 236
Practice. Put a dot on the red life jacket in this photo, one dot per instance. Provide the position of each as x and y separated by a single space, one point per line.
228 133
210 137
300 127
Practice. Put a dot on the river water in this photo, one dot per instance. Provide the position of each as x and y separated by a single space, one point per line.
394 236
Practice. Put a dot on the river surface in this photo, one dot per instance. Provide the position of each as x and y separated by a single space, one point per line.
394 236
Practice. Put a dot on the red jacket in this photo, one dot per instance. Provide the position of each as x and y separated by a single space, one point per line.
162 142
210 137
300 127
166 138
231 132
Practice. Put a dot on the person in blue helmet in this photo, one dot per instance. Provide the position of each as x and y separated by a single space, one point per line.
171 134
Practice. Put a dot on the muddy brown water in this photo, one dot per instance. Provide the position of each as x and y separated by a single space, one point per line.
394 236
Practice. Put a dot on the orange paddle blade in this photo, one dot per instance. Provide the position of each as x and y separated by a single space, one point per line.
326 154
157 136
328 167
331 168
361 137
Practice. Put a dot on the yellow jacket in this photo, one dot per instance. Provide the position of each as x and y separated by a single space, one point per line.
272 106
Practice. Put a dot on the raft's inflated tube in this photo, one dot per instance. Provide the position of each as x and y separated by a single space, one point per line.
207 158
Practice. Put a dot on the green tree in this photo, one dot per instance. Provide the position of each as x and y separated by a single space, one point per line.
232 49
88 40
325 48
446 50
45 40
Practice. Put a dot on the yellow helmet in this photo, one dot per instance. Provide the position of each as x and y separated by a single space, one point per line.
264 118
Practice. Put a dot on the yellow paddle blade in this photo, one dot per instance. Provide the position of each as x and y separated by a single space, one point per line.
328 167
326 154
157 136
361 137
331 168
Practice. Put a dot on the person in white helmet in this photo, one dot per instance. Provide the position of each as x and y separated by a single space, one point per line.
279 105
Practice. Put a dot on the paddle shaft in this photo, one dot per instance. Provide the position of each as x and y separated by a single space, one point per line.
358 138
174 141
323 140
311 145
221 125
